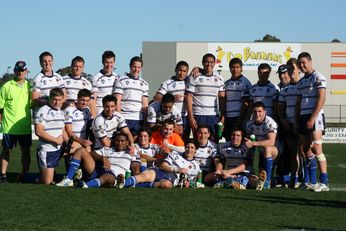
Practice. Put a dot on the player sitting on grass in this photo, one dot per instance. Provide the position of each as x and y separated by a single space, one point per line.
167 174
103 166
237 159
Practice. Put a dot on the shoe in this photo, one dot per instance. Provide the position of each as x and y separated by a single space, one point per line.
199 185
321 188
311 186
262 180
237 185
267 185
78 175
182 179
120 181
81 184
220 184
3 179
65 183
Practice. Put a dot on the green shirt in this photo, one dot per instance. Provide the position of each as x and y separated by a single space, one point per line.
15 102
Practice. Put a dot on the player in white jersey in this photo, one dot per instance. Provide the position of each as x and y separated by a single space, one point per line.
49 127
264 91
176 86
46 80
237 159
265 130
75 81
103 81
160 111
286 114
167 174
146 150
104 167
132 92
206 153
205 97
107 122
236 98
310 101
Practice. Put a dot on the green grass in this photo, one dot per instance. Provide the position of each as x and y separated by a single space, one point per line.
39 207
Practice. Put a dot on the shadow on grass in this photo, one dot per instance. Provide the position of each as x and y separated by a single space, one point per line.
301 227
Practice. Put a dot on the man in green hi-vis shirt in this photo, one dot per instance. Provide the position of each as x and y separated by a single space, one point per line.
15 111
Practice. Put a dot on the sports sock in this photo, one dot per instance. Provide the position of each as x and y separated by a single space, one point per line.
145 185
96 183
74 165
324 178
312 167
268 167
130 182
306 171
143 168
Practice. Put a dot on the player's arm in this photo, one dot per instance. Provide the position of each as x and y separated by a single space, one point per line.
92 105
270 141
158 97
127 132
218 165
40 132
145 103
222 104
166 167
321 98
239 169
70 133
99 157
298 109
105 141
178 129
118 97
189 101
36 101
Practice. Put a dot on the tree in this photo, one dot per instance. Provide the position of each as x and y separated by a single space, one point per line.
6 77
268 38
336 41
67 70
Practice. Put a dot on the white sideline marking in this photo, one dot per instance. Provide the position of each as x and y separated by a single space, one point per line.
342 165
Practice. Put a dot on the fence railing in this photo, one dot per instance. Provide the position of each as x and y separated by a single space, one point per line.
335 113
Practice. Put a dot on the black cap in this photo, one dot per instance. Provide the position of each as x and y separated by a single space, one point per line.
282 69
20 66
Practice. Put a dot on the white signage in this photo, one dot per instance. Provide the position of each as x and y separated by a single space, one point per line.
253 54
335 135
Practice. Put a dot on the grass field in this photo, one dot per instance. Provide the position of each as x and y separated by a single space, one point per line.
38 207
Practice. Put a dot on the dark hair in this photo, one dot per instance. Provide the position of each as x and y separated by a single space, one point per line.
168 122
235 61
168 98
145 129
55 92
84 93
259 104
43 54
264 66
107 55
181 63
304 55
290 65
200 126
77 59
116 134
240 129
136 59
208 55
191 141
109 98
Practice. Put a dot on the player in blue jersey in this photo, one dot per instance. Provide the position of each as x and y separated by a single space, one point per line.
310 117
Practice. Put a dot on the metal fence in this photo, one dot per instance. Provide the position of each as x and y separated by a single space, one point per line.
335 114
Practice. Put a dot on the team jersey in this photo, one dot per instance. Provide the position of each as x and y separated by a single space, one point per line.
132 90
205 90
155 114
235 156
174 159
120 161
205 155
308 87
288 97
53 121
173 139
102 86
73 85
261 130
105 127
43 83
235 91
266 94
79 120
150 151
175 87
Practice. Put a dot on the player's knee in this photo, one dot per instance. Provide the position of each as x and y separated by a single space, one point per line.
321 157
165 184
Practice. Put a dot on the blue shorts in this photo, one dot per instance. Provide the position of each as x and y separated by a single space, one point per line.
134 126
319 124
186 126
211 121
46 159
161 175
9 140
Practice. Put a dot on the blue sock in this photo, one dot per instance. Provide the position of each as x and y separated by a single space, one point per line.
324 178
306 171
96 183
74 165
145 185
130 182
93 175
312 167
143 168
286 179
268 168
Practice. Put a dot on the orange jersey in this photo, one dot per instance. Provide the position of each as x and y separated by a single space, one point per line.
173 139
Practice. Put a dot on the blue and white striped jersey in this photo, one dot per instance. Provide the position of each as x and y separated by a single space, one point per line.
236 90
132 90
43 83
261 130
155 114
79 120
267 94
102 86
288 96
73 85
205 90
53 121
235 156
205 155
308 87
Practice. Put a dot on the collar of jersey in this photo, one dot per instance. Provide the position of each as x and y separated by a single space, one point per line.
48 75
75 77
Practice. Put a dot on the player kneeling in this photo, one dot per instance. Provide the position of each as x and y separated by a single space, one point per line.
105 167
169 171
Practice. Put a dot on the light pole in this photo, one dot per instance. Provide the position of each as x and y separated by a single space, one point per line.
8 69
